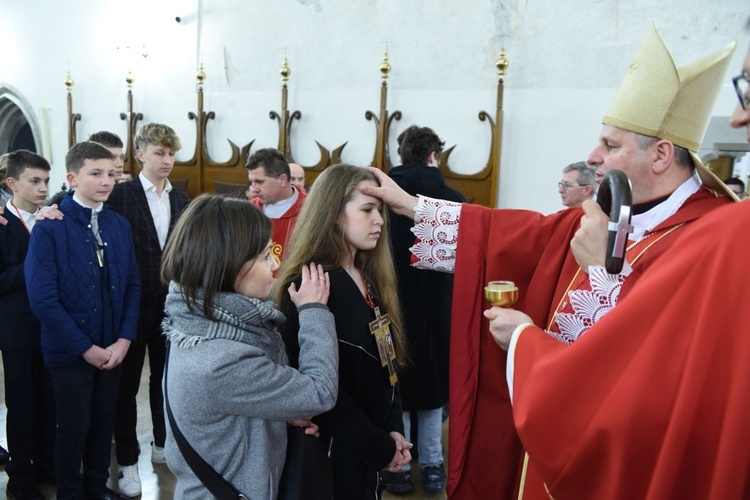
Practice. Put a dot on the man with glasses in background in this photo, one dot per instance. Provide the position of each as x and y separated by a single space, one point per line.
578 184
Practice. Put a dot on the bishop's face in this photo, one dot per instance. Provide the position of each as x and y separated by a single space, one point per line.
617 149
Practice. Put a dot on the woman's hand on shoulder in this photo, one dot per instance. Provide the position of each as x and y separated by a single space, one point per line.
315 286
49 212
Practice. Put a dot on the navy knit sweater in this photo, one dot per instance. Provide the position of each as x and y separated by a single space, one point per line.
65 287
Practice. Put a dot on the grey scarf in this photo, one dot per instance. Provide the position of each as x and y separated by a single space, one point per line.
236 317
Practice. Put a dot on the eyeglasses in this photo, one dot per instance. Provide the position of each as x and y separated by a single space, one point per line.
565 186
742 87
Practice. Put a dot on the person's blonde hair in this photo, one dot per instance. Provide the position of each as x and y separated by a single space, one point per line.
157 134
319 237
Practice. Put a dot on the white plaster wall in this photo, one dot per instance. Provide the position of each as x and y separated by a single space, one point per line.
566 60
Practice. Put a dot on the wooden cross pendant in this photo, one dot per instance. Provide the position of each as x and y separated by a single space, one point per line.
380 327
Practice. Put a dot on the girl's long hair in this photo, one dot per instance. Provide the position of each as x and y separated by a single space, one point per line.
318 237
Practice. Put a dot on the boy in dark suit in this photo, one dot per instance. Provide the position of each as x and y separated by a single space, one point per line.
82 281
152 207
28 387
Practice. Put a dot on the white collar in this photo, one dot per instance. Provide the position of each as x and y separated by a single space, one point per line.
21 214
150 186
276 210
96 209
645 222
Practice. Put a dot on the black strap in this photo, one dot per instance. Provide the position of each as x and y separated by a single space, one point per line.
212 480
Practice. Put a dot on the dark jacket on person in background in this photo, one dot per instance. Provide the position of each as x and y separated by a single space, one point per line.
426 297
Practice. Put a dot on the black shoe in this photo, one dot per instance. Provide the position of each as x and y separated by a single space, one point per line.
433 478
396 482
106 495
23 491
4 456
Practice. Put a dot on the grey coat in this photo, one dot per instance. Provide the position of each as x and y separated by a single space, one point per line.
232 397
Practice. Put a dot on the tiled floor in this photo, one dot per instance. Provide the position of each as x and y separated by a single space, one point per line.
157 481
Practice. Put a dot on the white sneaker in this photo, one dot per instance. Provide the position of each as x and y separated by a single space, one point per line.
157 454
129 482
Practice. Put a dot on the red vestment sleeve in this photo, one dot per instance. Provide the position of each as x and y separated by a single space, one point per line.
652 402
533 251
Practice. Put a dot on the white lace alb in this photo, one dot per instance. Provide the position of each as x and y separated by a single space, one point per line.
437 234
589 306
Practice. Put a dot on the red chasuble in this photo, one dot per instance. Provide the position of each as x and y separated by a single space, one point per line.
533 251
652 402
282 227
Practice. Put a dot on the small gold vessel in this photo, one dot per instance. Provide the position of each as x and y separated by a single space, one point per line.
501 293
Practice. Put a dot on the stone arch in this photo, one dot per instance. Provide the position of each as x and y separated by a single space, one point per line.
18 125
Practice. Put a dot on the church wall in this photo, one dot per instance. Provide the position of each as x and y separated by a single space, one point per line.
566 60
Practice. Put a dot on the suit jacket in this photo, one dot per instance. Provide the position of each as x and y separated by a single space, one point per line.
20 328
129 199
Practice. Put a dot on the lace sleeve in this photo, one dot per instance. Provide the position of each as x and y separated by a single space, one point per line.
589 306
437 234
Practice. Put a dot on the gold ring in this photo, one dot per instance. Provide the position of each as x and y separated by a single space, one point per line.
322 278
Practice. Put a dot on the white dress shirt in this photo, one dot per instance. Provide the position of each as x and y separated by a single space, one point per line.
159 207
27 218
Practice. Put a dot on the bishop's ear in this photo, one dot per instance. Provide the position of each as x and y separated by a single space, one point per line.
663 155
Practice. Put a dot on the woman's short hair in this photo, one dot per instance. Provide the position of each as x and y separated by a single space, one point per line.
211 241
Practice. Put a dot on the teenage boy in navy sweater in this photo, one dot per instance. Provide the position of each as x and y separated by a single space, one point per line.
83 285
28 387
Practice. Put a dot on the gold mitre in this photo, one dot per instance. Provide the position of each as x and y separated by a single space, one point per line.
658 99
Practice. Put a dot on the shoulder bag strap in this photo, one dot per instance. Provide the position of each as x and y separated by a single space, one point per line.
212 480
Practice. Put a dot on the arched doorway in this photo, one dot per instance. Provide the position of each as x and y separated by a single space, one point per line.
18 127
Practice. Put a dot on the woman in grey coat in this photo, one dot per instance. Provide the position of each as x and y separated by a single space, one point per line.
230 387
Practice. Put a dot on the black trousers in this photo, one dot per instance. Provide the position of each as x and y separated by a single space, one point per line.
149 336
30 423
86 400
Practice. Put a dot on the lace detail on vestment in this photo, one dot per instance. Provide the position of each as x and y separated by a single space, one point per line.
437 234
589 306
